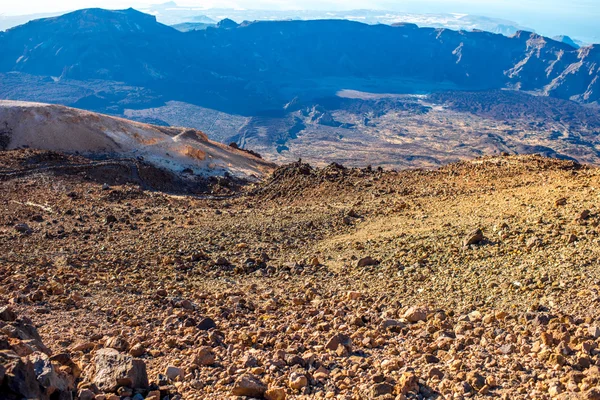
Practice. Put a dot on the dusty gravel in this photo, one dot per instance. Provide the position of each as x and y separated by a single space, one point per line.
321 283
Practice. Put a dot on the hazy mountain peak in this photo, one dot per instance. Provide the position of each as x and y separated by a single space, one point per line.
406 25
97 20
227 24
567 40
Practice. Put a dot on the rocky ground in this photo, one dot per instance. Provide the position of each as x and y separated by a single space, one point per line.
476 280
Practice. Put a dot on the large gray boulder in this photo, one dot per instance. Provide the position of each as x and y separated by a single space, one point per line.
114 369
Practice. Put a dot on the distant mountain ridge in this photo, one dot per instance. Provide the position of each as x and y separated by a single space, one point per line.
263 65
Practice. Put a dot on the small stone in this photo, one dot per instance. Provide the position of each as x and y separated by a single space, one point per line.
206 324
82 346
560 202
555 390
321 373
391 365
86 394
339 340
297 381
137 350
187 305
204 356
533 242
415 314
275 394
197 384
508 348
222 262
7 314
474 237
367 261
393 325
476 380
592 394
36 296
153 395
431 359
353 295
594 331
22 228
173 372
585 214
435 372
117 343
557 359
248 385
381 389
408 382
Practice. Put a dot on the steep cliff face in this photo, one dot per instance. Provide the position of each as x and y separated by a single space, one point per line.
579 79
91 44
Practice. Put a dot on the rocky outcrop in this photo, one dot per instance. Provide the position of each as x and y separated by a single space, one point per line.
114 369
27 369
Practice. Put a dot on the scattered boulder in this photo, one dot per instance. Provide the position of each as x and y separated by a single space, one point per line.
204 356
408 382
367 261
118 343
114 369
275 394
7 314
137 350
297 381
561 202
23 228
86 394
222 262
173 372
48 377
206 324
533 242
415 314
340 340
474 237
381 389
248 385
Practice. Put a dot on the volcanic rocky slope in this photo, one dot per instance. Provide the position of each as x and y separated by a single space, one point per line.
100 137
476 280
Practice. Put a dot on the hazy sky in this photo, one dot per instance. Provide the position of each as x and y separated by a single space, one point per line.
567 16
506 7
